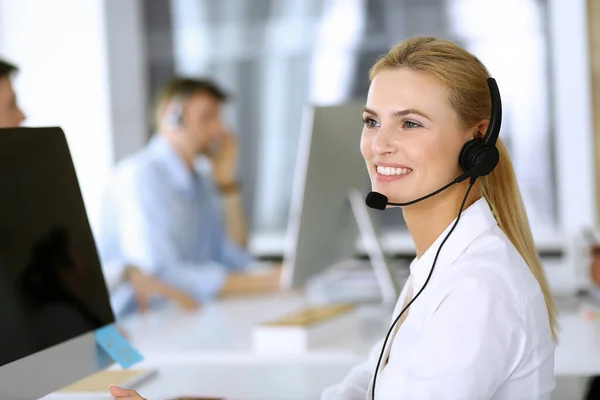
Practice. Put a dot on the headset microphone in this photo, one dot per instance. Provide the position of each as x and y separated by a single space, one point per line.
380 201
478 157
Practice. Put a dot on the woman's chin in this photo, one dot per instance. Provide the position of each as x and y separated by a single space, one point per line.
389 191
392 195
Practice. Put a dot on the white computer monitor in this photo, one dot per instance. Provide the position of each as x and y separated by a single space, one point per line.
328 214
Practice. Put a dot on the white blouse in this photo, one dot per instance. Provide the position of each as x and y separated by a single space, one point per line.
478 331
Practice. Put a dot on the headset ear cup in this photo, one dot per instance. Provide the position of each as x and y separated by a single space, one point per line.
174 118
467 154
179 115
485 160
477 158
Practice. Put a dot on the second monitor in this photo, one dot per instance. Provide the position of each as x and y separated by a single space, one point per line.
328 213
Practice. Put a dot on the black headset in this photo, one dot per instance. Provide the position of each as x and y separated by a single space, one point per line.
478 157
174 118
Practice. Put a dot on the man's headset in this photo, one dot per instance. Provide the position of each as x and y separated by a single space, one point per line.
478 157
174 118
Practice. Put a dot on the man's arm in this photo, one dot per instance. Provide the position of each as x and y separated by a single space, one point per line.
146 287
149 244
238 259
241 283
235 218
148 237
224 162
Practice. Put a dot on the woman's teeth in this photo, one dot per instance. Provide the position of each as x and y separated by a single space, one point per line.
393 171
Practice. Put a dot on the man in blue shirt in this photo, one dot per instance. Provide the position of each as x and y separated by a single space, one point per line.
163 233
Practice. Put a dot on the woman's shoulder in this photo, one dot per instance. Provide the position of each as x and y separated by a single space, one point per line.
495 266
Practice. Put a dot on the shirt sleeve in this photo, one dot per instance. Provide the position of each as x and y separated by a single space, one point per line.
356 384
235 257
467 348
148 240
229 253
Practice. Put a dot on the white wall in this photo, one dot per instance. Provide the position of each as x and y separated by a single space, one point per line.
81 65
572 113
128 75
574 144
60 47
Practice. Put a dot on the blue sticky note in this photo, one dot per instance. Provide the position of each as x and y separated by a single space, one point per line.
117 346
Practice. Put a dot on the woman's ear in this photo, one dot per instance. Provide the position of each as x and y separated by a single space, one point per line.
481 129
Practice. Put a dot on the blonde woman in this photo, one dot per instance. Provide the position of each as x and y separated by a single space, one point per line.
483 325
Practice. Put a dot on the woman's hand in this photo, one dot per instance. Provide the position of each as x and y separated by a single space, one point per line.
124 394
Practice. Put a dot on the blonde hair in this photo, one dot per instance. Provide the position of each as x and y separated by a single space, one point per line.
465 79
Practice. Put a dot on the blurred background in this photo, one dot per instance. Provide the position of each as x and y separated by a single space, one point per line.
93 66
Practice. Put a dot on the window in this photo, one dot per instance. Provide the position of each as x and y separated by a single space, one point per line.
276 55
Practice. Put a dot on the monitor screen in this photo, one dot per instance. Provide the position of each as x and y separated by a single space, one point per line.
51 284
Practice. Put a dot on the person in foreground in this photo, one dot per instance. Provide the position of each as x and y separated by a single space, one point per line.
481 324
11 115
173 226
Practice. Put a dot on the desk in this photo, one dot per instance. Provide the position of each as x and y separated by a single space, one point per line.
272 381
395 242
210 352
578 350
269 381
221 332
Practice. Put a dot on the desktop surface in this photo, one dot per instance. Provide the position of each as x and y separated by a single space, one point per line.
222 332
234 381
201 353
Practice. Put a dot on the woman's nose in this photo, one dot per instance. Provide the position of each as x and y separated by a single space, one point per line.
383 142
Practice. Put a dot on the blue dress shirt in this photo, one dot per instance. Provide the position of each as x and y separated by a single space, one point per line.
166 219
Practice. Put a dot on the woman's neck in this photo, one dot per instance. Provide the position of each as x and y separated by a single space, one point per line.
428 219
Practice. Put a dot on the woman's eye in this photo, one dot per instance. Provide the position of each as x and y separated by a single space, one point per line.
411 124
370 122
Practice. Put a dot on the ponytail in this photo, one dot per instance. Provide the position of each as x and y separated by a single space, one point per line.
465 78
502 193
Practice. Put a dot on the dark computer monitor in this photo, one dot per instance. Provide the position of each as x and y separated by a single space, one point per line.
52 290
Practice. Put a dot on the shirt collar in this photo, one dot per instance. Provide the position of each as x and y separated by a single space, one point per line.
183 177
474 221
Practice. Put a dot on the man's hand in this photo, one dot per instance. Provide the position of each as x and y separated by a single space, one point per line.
146 286
224 159
246 283
273 278
124 394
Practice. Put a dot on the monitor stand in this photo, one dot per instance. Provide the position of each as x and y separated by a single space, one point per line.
354 280
370 239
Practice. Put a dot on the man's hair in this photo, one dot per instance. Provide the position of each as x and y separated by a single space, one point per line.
182 88
7 69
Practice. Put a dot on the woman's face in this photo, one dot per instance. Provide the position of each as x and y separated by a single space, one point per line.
411 136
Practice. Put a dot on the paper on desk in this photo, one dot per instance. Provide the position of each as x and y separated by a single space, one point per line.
117 346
